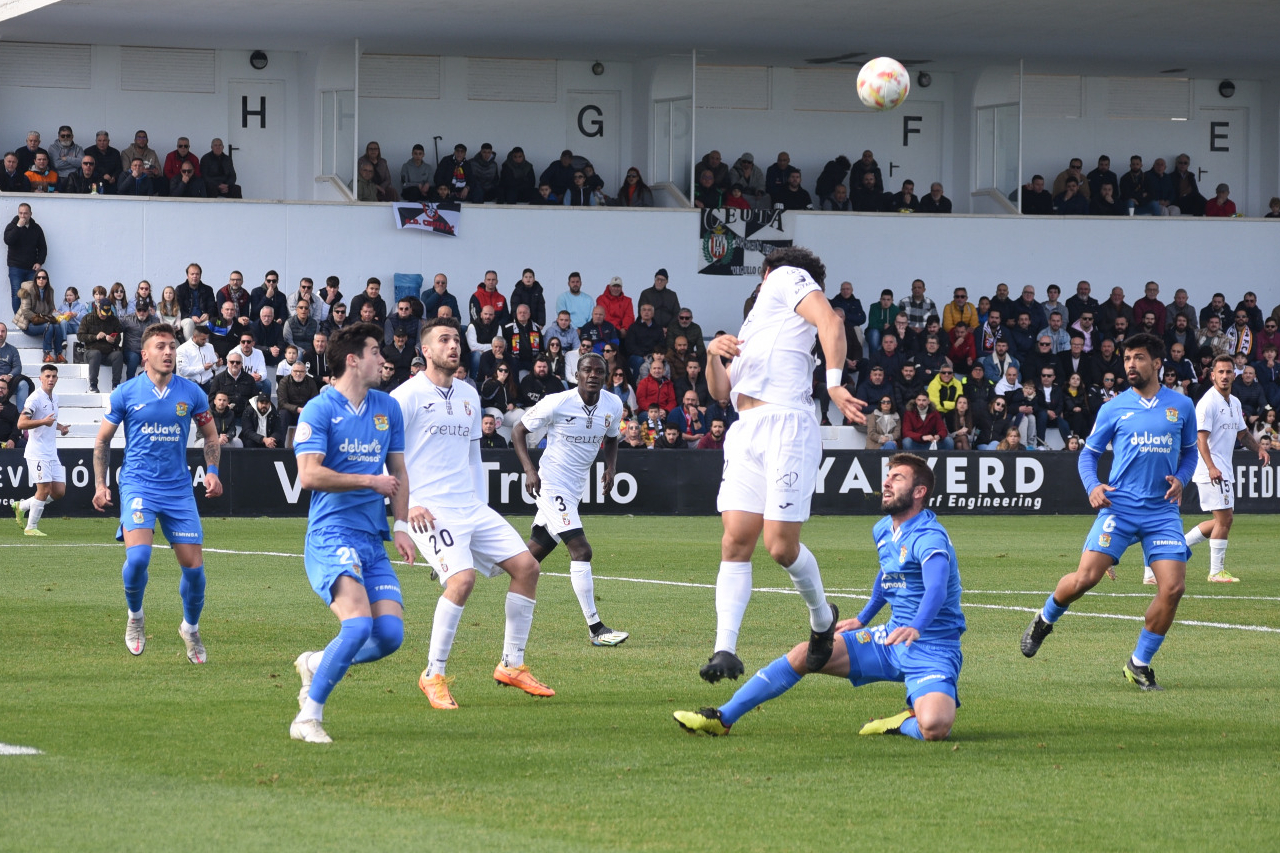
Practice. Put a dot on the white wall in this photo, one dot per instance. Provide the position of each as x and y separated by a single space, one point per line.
98 241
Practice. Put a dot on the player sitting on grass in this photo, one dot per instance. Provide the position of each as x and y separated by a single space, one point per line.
920 646
577 421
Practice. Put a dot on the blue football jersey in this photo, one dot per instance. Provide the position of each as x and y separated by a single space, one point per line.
352 441
1150 439
902 554
157 422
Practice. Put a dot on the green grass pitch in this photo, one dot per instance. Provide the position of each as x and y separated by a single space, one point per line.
1055 753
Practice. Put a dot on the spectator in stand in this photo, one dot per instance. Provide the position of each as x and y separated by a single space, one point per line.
646 336
598 332
438 294
370 295
1220 205
1102 175
905 200
1241 338
528 291
1181 367
498 392
101 335
962 424
669 439
880 320
1036 200
833 175
923 428
1021 338
12 179
944 389
1180 332
693 380
292 355
889 357
71 311
1049 409
119 301
935 201
225 330
1078 409
480 335
268 337
621 387
1137 191
849 309
301 327
1113 308
485 175
1059 337
999 361
337 319
85 180
197 301
41 177
1071 201
563 331
137 182
498 354
579 194
959 310
10 436
1075 169
866 165
366 188
1249 304
403 319
196 358
577 303
839 200
1087 330
656 388
516 183
713 162
665 302
775 177
1105 203
618 308
1012 440
874 386
38 305
692 333
884 426
689 418
415 176
714 438
187 184
151 161
991 332
260 425
65 156
1269 337
489 437
706 194
791 196
1249 391
487 294
524 340
27 250
1028 305
1273 208
559 175
634 192
752 181
867 195
544 195
316 359
219 172
993 422
255 363
962 351
1081 302
109 164
175 159
455 173
918 307
132 327
931 359
269 295
908 384
234 292
1217 307
224 421
236 383
1187 198
381 177
1150 301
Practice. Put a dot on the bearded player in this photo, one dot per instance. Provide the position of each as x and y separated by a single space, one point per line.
577 421
771 455
1152 432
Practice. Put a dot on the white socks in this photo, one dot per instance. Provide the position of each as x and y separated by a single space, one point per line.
443 627
519 620
133 615
311 710
1217 556
733 592
804 574
188 628
1194 536
34 508
584 587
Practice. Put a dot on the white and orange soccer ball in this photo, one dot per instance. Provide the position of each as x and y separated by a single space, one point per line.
883 83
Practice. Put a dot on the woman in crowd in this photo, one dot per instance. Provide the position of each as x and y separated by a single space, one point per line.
142 294
555 357
119 301
634 192
1074 443
962 424
1076 407
168 309
36 316
1012 440
994 421
619 386
884 426
71 311
579 194
499 392
1267 425
984 308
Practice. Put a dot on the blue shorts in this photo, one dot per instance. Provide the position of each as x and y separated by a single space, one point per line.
925 666
332 552
1160 533
179 519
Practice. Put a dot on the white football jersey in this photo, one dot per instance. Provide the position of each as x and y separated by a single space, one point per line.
574 434
1223 420
41 441
776 360
439 426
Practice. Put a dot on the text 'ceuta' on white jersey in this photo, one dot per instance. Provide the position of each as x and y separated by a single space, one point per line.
1222 419
775 361
42 442
574 433
440 426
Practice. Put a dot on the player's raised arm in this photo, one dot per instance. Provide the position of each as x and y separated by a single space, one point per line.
718 380
815 309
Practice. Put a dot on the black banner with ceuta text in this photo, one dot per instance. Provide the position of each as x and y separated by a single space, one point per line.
438 217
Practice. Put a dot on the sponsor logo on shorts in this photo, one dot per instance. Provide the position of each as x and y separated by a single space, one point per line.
1104 539
386 587
1169 542
380 423
182 410
788 479
863 636
185 534
934 677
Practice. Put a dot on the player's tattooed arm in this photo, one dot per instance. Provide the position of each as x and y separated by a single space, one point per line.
212 453
1251 444
101 463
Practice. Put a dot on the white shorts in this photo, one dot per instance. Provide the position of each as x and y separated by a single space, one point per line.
1216 496
771 459
473 537
47 471
557 512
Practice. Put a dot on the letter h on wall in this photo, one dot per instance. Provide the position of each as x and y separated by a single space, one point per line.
260 112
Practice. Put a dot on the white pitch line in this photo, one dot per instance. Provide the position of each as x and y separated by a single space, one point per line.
836 592
10 749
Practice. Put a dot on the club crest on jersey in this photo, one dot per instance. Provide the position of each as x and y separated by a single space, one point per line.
863 636
182 410
380 422
466 407
608 419
902 555
1104 539
1172 414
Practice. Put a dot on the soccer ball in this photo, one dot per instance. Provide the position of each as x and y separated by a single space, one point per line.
883 83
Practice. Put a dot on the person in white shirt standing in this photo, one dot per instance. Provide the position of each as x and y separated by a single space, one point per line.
577 422
449 519
1219 424
40 418
772 454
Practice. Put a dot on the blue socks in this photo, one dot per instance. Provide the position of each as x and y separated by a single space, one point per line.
911 728
191 588
769 683
388 634
1148 645
136 560
338 656
1053 610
